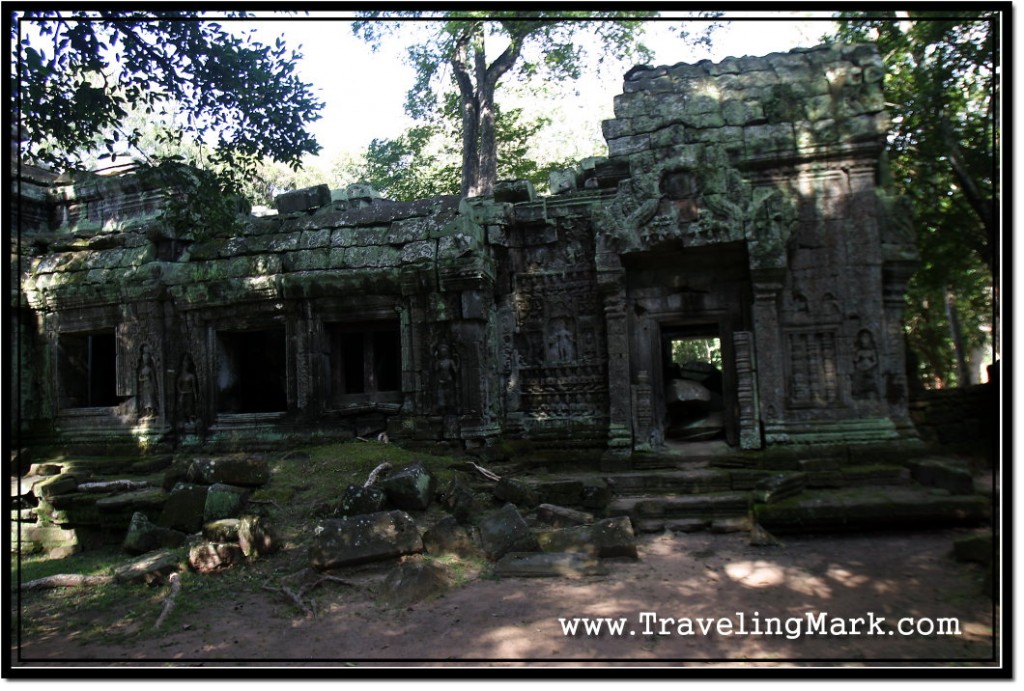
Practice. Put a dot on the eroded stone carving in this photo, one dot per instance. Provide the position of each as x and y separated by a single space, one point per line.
864 380
146 391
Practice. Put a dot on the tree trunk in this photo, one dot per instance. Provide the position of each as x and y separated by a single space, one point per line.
962 375
487 154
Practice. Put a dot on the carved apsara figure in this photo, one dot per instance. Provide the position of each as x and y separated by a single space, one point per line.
146 389
446 380
865 367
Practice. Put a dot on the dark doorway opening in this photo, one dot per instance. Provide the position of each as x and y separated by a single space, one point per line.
252 371
88 370
692 373
365 360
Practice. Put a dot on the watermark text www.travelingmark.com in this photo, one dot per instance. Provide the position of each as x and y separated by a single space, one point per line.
742 624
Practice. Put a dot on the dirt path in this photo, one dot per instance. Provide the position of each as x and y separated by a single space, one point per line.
516 621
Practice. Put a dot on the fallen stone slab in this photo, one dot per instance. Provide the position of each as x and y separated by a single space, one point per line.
548 565
505 531
144 536
516 491
257 537
947 475
210 557
223 530
184 508
361 539
610 537
448 537
595 493
54 485
153 567
412 581
410 488
562 517
56 542
224 501
149 499
687 525
246 471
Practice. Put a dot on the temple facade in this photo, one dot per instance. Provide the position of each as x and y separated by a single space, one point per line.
742 204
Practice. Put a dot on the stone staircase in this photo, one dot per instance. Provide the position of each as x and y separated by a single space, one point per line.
863 491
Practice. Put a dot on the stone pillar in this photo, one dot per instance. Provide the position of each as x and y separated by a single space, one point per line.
746 390
620 412
769 349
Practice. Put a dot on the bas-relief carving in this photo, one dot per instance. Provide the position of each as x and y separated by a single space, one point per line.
446 380
146 390
864 380
186 390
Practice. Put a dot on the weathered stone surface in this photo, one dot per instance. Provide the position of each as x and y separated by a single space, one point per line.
223 530
460 501
410 488
246 471
977 548
610 537
209 557
547 565
759 537
224 501
257 537
306 199
144 536
360 539
412 581
504 531
595 494
53 485
514 191
149 499
517 491
562 517
448 537
184 508
153 567
56 542
948 475
779 486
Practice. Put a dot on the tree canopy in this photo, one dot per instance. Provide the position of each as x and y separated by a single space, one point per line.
468 54
227 100
942 89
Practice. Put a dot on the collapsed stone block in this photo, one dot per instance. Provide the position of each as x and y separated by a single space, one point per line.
516 491
611 537
246 471
306 199
224 501
946 475
144 536
505 531
561 517
412 581
256 536
360 539
223 530
410 488
184 508
448 537
209 557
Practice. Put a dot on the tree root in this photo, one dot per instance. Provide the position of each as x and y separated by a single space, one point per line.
297 596
66 580
175 580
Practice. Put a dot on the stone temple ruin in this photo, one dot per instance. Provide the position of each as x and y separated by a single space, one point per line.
741 203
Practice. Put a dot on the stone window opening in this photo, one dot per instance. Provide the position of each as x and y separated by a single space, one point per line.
251 372
88 370
365 362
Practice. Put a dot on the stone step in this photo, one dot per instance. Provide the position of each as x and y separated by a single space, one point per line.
707 506
872 508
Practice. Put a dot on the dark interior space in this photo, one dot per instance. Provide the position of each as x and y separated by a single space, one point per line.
365 358
252 372
88 366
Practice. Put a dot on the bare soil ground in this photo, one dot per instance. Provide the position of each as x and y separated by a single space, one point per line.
516 622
